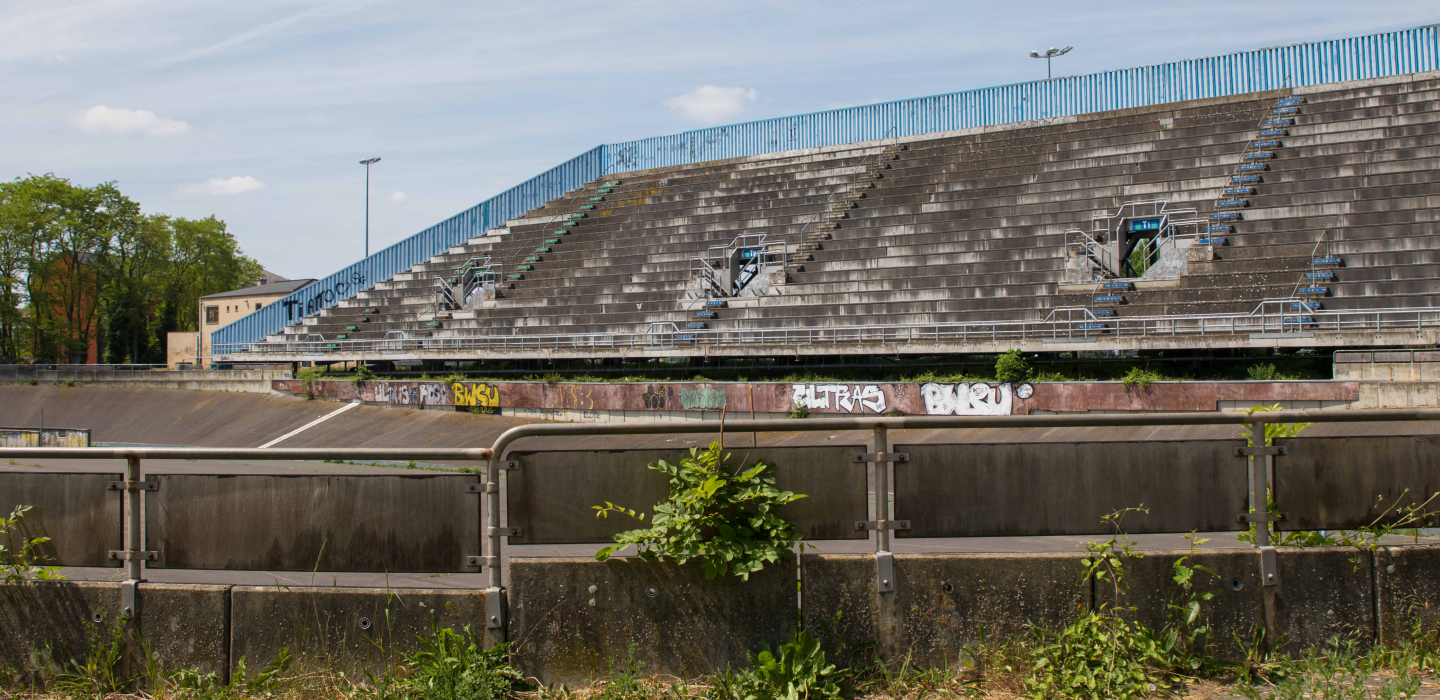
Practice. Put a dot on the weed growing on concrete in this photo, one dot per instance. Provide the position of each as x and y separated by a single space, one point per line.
307 377
796 669
727 518
19 554
99 673
799 411
1012 367
1140 378
451 665
363 373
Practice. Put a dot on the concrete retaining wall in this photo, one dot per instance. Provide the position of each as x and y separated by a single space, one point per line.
607 403
246 380
570 620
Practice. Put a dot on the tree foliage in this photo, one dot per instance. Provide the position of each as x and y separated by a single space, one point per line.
78 263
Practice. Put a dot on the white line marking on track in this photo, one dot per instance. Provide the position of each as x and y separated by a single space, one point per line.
310 425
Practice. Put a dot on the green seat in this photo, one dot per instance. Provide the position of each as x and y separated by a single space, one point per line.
588 206
526 267
516 276
611 183
341 336
597 199
542 250
370 311
571 223
552 240
533 258
559 233
577 216
604 191
433 324
352 328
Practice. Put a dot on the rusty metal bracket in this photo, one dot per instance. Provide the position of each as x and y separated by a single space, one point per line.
122 555
508 531
863 525
482 562
1261 451
880 457
127 485
482 488
1260 517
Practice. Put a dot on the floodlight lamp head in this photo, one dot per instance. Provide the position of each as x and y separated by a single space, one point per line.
1063 51
368 161
1035 54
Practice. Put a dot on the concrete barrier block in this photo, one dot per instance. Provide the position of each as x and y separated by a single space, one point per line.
941 601
571 618
1408 588
350 629
49 623
842 584
187 626
1237 608
1325 591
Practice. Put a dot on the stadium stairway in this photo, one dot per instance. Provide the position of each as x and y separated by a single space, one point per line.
969 227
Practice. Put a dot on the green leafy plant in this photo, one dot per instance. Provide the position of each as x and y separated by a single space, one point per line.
799 410
1012 367
1140 378
1263 371
1185 637
795 669
307 377
624 682
363 373
99 673
727 518
1103 655
452 666
19 554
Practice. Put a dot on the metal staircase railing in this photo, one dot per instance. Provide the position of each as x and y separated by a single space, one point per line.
849 190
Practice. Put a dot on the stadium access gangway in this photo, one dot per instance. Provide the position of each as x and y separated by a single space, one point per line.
1262 321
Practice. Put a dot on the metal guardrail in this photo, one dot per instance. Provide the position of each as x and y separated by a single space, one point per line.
134 554
1298 321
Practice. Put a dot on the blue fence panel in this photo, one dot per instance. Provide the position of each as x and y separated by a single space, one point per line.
1315 63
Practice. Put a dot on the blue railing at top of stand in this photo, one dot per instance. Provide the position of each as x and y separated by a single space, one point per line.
1355 58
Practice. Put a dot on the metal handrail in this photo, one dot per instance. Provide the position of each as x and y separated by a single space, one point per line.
1014 331
494 455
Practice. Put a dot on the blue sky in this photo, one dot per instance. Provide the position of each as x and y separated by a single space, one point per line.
258 112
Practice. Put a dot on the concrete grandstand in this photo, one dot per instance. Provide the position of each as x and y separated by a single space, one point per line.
1300 215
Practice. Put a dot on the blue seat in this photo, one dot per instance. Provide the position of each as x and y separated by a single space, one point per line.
1226 215
1244 178
1118 285
1274 132
1232 203
1280 122
1260 155
1325 261
1319 275
1322 291
1240 190
1290 101
1210 241
1266 144
1252 166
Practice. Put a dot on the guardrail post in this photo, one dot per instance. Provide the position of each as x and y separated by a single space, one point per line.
1262 462
887 609
495 600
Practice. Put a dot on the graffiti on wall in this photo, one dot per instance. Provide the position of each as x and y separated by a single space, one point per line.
571 396
655 397
406 394
484 395
978 399
850 398
702 397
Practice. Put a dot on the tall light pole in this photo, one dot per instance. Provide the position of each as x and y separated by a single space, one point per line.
367 163
1049 54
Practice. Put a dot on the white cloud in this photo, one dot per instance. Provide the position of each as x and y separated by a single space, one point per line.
708 103
231 185
397 197
110 121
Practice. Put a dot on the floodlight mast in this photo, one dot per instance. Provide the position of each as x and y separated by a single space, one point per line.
367 163
1050 53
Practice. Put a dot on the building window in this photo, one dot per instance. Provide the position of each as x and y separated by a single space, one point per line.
258 305
212 315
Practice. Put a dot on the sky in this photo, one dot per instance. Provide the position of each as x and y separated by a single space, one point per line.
259 112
